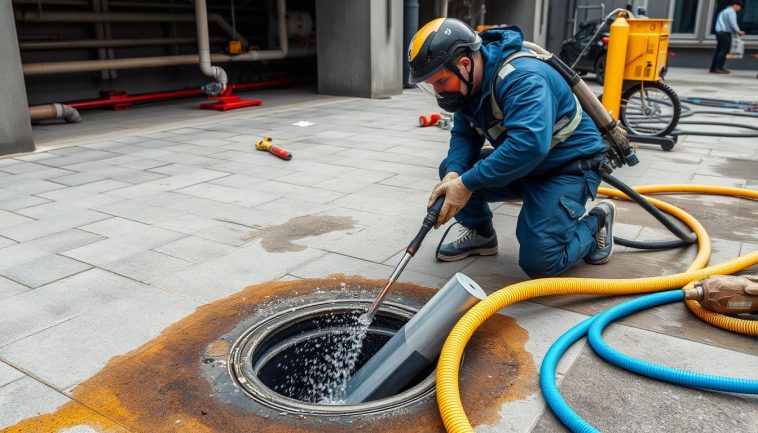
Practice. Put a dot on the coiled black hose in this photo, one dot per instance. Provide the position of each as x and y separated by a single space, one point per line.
685 238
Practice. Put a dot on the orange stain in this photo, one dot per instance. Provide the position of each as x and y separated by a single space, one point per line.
159 388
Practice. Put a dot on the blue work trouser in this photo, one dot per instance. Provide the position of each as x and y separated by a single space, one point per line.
551 231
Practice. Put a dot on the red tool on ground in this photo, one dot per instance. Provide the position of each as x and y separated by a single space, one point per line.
266 146
430 120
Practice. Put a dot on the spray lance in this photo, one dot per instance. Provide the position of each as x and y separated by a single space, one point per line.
429 220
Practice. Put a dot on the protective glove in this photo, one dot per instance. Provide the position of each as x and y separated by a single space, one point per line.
450 176
456 196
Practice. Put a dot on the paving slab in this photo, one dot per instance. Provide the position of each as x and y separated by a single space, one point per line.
8 374
33 311
11 219
146 266
111 329
227 194
196 249
218 278
44 270
339 264
52 224
26 398
9 287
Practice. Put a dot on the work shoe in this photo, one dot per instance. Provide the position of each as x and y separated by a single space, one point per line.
469 243
605 212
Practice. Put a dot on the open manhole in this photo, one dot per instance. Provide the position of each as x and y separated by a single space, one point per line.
280 360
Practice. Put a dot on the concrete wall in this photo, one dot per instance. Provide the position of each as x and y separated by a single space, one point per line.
520 13
15 127
387 50
359 49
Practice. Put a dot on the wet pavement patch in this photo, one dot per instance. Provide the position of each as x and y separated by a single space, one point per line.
180 381
279 238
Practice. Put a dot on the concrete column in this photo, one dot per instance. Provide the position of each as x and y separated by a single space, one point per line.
359 47
15 126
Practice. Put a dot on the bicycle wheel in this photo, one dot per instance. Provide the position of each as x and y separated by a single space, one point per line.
650 108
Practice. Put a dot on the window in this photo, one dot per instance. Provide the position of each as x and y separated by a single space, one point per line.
747 18
684 16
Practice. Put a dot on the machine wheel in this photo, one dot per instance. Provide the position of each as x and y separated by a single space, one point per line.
650 108
600 69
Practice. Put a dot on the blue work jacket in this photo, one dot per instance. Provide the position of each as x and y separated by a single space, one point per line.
533 97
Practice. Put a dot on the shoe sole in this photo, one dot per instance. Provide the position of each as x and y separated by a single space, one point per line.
478 252
613 220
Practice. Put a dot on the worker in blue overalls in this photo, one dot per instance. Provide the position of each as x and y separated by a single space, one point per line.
546 149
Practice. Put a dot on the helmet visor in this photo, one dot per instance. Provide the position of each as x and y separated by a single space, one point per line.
427 88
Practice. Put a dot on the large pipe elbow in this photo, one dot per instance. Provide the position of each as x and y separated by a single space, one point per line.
203 45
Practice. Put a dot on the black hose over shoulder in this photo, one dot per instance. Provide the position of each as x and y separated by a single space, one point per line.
568 74
685 238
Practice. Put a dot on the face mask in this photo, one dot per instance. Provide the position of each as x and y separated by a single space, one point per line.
456 101
451 101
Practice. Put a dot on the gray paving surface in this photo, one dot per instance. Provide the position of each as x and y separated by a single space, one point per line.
106 238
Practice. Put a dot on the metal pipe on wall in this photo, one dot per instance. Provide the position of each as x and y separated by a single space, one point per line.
283 51
203 46
147 62
115 43
48 68
32 16
127 4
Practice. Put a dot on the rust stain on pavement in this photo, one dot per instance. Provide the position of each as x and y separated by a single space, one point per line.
159 388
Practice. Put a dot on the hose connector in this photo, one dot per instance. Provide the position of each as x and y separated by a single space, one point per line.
726 294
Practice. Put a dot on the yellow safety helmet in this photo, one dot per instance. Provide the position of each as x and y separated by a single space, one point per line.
437 45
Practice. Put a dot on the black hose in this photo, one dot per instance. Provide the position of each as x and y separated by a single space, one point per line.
687 112
717 134
685 238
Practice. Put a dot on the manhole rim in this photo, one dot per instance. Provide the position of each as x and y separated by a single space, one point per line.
263 330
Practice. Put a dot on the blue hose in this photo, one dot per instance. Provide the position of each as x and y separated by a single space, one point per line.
655 371
550 391
595 326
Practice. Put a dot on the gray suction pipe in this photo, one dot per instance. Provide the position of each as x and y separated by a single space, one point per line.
416 345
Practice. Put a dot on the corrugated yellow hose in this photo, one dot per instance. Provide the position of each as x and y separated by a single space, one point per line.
733 324
448 393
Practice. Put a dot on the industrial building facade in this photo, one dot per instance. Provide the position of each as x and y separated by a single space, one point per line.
57 51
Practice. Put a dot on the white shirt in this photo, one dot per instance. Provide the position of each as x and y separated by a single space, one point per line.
727 21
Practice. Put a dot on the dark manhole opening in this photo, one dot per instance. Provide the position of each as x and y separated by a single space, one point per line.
282 361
